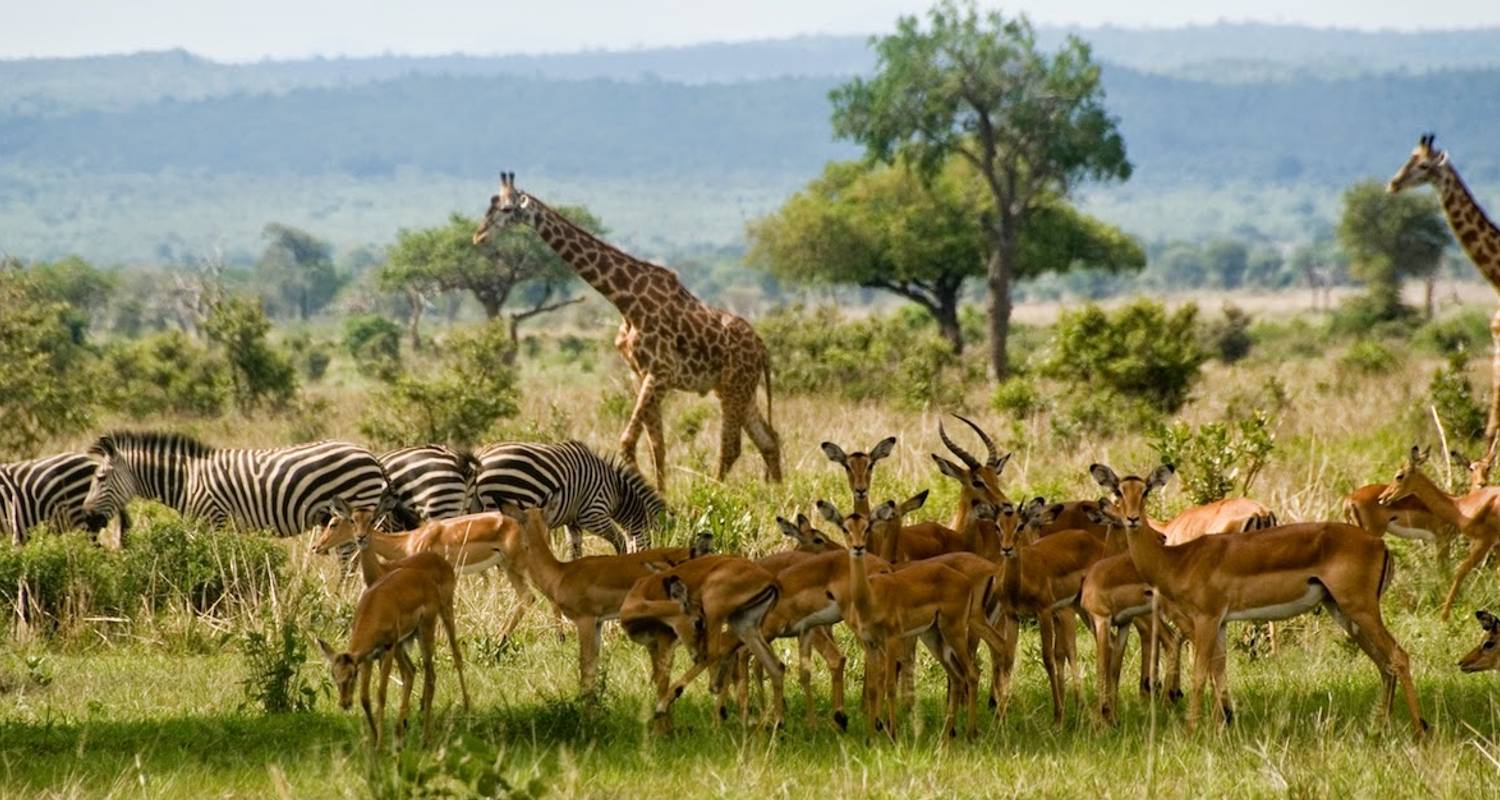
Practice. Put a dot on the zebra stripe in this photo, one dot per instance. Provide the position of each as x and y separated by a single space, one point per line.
283 490
578 488
429 481
51 491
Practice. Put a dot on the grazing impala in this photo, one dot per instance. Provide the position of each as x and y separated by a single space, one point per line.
860 467
407 602
1266 575
1476 514
1487 654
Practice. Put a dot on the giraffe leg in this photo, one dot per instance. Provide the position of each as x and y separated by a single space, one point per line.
1492 425
645 405
731 430
764 437
658 440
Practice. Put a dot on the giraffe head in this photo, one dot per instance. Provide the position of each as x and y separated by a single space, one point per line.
1422 166
511 205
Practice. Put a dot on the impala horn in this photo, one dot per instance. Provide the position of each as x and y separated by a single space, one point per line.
989 444
963 455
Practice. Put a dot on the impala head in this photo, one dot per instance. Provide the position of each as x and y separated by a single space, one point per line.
345 669
1487 655
856 526
702 545
1406 476
1424 164
1477 469
1019 523
860 466
345 524
507 207
804 536
1130 492
977 479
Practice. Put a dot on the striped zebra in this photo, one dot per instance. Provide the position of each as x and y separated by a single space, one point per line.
284 490
52 491
429 482
578 488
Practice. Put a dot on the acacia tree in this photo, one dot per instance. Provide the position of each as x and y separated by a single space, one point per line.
1390 237
1031 124
517 264
301 268
883 227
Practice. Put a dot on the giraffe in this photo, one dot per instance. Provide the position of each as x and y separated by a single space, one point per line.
671 339
1480 238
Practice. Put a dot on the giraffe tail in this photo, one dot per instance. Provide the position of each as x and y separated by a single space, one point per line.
766 369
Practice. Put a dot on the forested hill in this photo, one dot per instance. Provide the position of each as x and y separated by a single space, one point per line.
1322 131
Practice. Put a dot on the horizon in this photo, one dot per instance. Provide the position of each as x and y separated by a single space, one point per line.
204 30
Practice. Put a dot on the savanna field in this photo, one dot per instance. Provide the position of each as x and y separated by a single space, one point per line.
144 678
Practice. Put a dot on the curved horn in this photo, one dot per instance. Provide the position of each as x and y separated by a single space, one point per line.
989 444
963 455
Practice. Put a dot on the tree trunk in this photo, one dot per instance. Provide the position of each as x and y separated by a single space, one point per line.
997 280
1429 286
946 314
414 320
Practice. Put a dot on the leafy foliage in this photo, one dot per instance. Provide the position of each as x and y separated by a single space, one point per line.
457 404
260 374
374 343
1141 351
298 269
1390 237
1218 458
1452 396
1229 337
43 354
165 373
275 652
464 766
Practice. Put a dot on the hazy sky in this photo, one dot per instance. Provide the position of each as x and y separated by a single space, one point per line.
252 29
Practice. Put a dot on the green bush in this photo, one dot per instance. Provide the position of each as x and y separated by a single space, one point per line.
1017 397
1219 458
1228 338
1141 351
1452 396
1367 357
374 343
260 374
275 653
1468 331
1372 314
166 373
900 358
458 404
311 356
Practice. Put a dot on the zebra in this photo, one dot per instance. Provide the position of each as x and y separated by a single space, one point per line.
429 482
285 490
53 491
577 487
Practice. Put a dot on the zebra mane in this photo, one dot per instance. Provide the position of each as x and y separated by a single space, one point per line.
632 481
111 443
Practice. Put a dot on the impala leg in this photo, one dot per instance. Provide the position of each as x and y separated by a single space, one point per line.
524 599
1221 678
1477 551
380 690
1205 644
1066 633
1005 664
445 614
408 674
804 673
1104 649
365 668
1048 625
829 649
427 639
588 654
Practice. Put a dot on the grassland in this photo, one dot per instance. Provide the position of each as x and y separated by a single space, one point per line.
151 707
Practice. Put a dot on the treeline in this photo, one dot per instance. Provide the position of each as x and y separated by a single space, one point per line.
1177 131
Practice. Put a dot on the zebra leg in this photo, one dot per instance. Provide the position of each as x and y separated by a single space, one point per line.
598 523
575 541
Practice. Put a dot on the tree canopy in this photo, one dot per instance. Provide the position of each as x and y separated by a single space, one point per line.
1031 124
1391 237
884 227
299 269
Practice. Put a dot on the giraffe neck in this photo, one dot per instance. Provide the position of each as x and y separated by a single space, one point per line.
608 269
1475 231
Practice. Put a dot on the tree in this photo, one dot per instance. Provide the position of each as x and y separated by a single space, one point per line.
516 264
883 227
43 389
259 373
300 268
1227 262
1032 125
1389 237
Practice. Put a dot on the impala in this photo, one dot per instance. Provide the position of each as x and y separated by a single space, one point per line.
1476 514
977 480
408 602
1265 575
860 467
1487 654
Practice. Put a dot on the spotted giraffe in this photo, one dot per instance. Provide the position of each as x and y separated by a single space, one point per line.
1480 239
671 339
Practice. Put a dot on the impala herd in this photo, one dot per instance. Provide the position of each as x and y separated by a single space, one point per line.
949 589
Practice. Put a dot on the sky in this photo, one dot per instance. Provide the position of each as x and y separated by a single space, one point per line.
249 30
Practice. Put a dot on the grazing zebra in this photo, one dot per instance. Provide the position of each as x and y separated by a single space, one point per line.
284 490
429 482
577 487
52 490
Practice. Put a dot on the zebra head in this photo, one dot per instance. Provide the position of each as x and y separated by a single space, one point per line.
638 507
113 484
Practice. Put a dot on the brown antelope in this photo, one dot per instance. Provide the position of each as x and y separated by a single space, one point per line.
930 601
407 602
471 543
1487 654
860 467
589 590
1476 515
1037 578
1407 518
977 480
1265 575
1230 515
714 604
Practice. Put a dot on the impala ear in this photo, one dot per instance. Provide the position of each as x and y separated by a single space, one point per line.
999 464
803 521
915 502
703 544
1487 620
883 449
948 468
1160 476
1106 477
835 453
885 512
831 513
330 654
788 528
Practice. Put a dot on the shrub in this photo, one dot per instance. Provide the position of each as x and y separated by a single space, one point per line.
310 355
260 374
459 404
463 767
42 350
1467 330
1217 458
1229 338
374 343
1367 357
275 652
1371 314
900 358
166 373
1140 351
1016 396
1452 396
